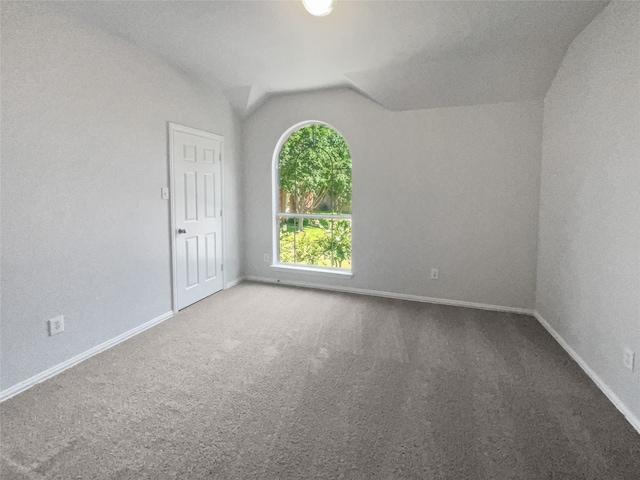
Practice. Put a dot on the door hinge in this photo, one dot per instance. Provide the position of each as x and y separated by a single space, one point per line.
220 212
222 267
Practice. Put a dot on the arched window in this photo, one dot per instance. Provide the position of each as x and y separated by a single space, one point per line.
312 198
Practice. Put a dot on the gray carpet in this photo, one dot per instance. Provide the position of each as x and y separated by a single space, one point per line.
273 382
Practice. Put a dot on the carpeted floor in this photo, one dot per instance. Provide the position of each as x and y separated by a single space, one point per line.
272 382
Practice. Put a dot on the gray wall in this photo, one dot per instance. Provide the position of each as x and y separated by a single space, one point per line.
588 285
84 155
452 188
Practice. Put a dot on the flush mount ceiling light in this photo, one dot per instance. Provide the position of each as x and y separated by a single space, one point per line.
319 8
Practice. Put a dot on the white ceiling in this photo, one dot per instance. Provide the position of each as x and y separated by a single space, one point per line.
403 55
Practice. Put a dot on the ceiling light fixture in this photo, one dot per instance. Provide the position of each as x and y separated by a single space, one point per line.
319 8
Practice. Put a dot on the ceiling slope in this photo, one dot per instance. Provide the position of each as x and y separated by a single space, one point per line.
404 55
505 75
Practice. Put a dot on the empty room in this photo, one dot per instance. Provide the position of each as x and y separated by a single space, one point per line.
320 239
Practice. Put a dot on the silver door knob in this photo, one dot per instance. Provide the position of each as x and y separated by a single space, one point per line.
182 230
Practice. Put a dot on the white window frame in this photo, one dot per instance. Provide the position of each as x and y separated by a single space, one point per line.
275 189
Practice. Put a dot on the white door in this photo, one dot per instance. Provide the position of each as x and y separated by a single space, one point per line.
197 211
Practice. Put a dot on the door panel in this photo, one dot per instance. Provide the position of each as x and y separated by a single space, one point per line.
210 243
197 174
209 155
189 153
191 261
209 195
190 196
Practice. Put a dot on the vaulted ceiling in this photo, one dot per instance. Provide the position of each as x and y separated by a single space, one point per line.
403 55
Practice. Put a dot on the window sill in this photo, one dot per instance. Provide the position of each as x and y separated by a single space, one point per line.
325 272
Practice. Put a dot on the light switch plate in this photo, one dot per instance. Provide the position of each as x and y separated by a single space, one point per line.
164 193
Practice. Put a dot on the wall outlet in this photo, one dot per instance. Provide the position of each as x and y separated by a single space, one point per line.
56 325
627 359
266 257
434 274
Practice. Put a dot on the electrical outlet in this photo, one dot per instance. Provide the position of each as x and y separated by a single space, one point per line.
266 257
627 359
56 325
434 274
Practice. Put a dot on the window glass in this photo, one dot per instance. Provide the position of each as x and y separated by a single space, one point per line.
314 199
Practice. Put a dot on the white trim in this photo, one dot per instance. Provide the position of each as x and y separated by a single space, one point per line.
174 127
309 270
172 223
322 216
194 131
224 211
399 296
613 398
61 367
233 283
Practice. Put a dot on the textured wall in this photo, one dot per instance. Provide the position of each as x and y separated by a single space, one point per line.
452 188
84 155
588 284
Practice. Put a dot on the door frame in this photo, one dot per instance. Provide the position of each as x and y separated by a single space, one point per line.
171 128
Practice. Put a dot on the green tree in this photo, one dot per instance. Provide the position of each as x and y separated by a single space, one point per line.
315 167
336 243
301 247
328 244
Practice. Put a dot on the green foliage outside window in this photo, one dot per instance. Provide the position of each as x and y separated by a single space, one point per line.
314 169
322 244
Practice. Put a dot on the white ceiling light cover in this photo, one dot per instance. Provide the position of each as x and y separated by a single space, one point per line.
319 8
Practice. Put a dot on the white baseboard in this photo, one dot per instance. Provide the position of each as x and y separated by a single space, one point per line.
399 296
631 418
61 367
233 283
